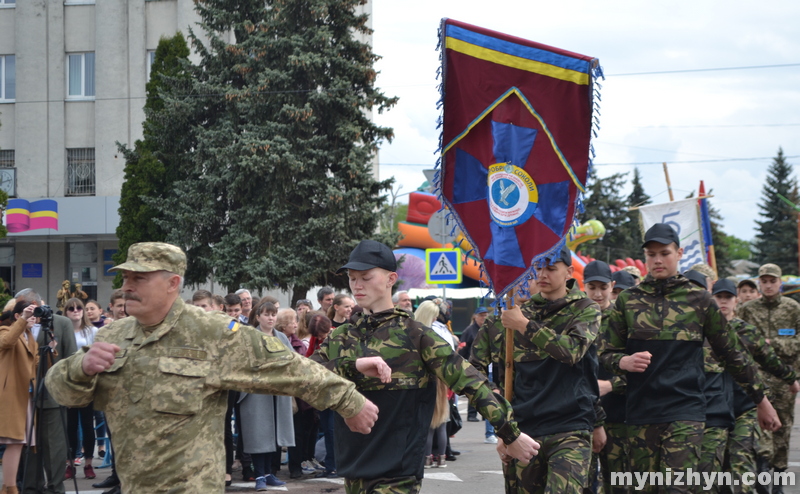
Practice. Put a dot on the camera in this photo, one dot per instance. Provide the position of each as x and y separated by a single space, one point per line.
45 314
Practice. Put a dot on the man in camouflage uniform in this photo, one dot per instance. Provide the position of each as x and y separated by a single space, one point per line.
655 334
778 319
390 458
740 456
162 375
555 381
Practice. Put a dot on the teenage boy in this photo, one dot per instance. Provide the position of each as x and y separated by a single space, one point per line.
655 334
740 456
778 319
118 305
622 281
555 380
386 342
599 284
205 300
233 306
746 291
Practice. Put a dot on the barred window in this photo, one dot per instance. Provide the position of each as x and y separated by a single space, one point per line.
6 158
80 172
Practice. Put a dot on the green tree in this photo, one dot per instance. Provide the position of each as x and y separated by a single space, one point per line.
277 185
632 227
605 203
150 165
776 240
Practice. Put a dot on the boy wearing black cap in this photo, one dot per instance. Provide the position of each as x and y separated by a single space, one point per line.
555 381
599 284
655 334
622 281
386 343
740 454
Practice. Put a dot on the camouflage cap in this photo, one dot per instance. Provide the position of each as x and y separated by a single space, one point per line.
769 270
146 257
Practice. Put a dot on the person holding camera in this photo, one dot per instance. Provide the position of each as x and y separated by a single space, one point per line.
18 357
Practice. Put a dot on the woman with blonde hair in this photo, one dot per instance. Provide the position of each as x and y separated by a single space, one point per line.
340 310
426 314
18 357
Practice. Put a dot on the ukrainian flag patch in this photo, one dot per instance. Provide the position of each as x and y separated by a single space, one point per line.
233 326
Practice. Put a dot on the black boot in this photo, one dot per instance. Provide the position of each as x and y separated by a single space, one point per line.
762 465
111 481
777 487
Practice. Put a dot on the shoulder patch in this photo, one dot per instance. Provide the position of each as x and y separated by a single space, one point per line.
233 326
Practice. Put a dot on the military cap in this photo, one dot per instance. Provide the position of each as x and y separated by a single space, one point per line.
564 255
697 278
623 279
661 233
633 270
724 285
748 282
146 257
597 271
769 270
370 254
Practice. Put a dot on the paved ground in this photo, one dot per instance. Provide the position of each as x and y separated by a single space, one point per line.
477 470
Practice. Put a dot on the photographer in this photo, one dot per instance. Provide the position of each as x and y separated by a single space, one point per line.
51 443
18 356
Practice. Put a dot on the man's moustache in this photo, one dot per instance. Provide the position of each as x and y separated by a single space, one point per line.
130 296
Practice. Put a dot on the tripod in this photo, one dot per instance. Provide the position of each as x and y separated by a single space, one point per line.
45 362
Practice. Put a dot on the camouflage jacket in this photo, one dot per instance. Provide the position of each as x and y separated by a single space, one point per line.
778 319
555 364
670 319
416 355
165 396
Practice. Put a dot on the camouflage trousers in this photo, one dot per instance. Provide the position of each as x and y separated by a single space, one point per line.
614 457
740 454
775 445
674 445
398 485
561 467
712 451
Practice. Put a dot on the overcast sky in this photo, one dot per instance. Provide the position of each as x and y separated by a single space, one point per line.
730 116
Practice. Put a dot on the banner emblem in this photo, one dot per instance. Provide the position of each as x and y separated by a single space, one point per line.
513 197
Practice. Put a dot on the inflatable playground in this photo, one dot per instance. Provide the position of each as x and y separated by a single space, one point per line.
416 237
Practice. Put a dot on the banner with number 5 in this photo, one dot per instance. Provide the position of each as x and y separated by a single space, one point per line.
684 217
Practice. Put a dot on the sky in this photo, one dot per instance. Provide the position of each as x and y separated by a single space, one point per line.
707 125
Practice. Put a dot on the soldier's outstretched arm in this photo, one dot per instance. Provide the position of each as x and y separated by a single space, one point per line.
72 381
763 353
253 362
613 338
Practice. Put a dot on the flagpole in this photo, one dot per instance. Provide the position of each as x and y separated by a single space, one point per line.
669 184
509 376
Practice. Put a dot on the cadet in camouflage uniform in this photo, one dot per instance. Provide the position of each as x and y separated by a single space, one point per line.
740 456
555 380
778 319
655 334
162 375
390 458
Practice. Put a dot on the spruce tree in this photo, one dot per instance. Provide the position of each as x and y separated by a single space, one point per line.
633 229
278 184
150 166
776 240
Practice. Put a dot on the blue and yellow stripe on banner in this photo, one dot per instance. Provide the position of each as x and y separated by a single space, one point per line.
518 56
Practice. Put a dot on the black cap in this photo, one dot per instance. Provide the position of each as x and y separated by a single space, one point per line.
564 255
697 278
370 254
623 280
661 233
724 285
748 282
597 271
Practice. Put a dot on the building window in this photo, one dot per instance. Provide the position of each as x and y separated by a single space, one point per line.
151 57
6 158
78 2
8 78
80 172
7 3
80 76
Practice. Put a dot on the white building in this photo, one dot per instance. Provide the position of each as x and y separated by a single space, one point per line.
72 84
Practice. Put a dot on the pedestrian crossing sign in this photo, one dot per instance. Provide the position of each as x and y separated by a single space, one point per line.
442 266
